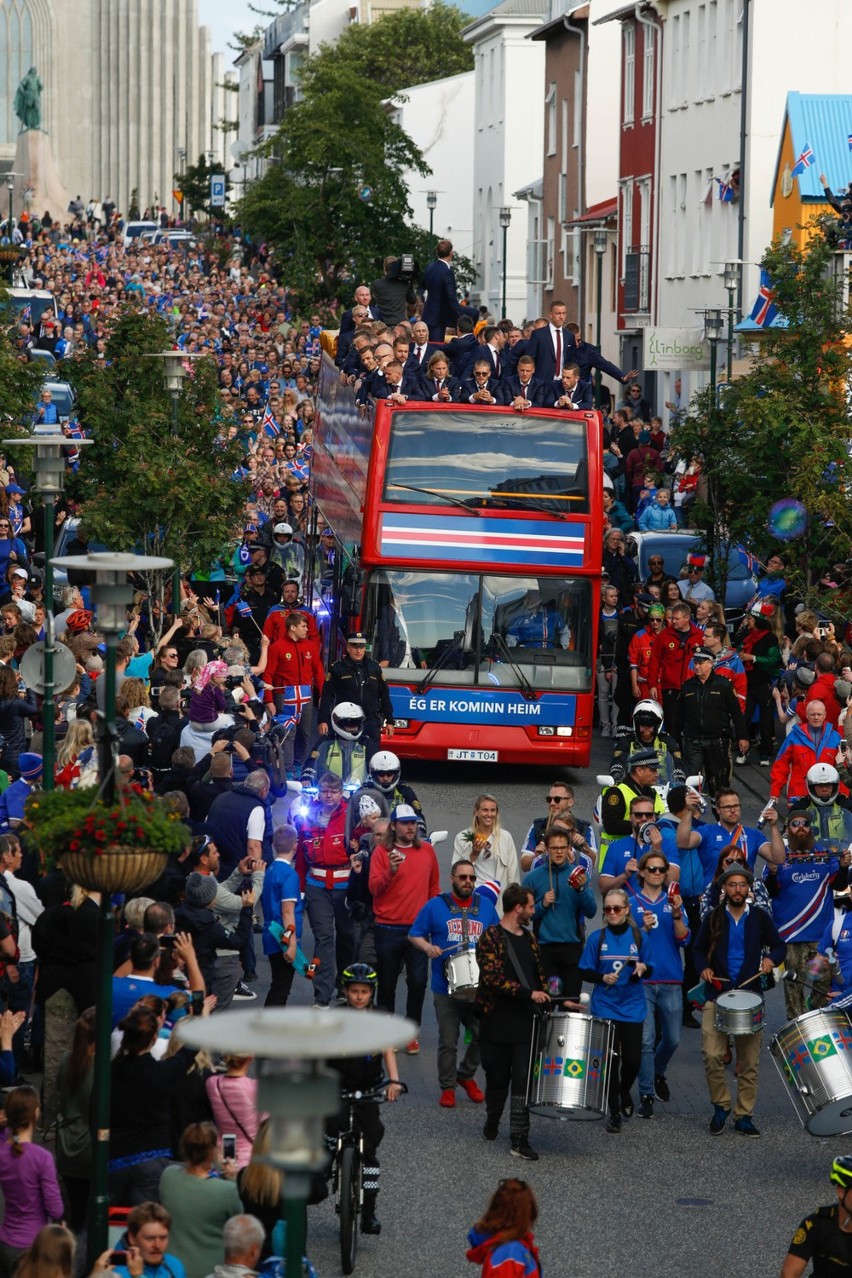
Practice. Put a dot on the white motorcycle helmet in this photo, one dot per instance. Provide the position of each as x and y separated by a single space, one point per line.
823 774
385 761
646 712
347 719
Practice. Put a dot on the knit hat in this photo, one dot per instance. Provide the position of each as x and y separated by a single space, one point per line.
200 889
367 806
30 766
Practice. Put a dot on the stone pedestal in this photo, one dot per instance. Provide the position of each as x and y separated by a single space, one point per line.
37 186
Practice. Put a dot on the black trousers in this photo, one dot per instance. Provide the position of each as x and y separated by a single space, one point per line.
690 976
560 958
710 756
506 1067
759 693
282 974
624 1069
671 711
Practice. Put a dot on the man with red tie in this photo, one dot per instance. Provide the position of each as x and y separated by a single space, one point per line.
525 391
437 385
292 676
420 351
552 347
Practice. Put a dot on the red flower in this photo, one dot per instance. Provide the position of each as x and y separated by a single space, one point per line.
74 845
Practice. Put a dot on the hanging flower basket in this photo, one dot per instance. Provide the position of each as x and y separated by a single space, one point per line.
9 253
120 846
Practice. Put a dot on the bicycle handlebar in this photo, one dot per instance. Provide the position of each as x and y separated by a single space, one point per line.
376 1093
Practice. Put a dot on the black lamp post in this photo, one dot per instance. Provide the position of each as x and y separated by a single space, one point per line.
505 220
174 376
713 325
431 202
731 278
601 241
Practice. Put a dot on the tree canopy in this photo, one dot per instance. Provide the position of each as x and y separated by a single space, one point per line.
782 431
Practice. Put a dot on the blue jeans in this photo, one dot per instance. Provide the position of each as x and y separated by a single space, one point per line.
334 936
665 1001
393 950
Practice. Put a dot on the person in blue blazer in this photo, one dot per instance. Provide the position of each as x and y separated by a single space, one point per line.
524 390
481 387
570 392
437 384
551 346
442 308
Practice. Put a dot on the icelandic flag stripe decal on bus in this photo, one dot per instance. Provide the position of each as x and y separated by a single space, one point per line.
440 537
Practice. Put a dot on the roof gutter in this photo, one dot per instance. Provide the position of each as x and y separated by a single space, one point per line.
653 25
581 154
743 138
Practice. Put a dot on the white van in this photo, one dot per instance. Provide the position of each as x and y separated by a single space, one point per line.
132 230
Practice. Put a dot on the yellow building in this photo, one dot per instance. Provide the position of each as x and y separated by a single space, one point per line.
819 124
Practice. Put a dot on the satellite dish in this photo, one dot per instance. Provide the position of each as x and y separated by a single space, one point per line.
64 667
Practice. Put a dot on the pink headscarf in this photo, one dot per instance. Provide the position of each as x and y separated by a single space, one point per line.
213 669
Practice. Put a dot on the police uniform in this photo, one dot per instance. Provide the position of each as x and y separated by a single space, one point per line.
709 713
615 809
361 682
668 752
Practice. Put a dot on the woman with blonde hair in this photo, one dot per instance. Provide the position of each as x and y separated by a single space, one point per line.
77 759
491 848
261 1187
233 1099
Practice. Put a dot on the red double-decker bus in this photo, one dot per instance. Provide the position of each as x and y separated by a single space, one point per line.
469 551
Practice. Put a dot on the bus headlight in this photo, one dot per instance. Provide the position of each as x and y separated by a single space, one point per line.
401 723
546 731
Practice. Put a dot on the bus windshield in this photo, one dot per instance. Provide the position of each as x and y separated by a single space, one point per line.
468 628
505 461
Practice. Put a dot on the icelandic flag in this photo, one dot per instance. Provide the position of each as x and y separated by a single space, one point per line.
299 470
849 140
285 721
804 161
243 608
726 191
297 696
75 430
270 425
764 310
751 561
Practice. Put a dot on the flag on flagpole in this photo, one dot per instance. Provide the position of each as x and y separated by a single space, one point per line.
764 310
804 161
270 425
243 608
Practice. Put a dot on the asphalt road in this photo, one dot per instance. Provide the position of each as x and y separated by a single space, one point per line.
662 1199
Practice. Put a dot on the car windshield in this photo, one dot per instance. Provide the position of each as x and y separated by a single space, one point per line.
674 552
467 628
507 461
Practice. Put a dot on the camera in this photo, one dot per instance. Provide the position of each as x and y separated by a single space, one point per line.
233 681
404 268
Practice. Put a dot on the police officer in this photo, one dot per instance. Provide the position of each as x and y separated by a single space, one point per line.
647 734
643 770
710 715
358 679
830 814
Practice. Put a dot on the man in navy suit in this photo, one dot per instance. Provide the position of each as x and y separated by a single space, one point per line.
570 391
359 315
514 349
552 347
525 390
436 385
481 387
588 357
442 308
363 297
462 350
420 350
494 342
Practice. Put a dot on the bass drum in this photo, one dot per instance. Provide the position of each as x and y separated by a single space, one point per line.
813 1055
569 1066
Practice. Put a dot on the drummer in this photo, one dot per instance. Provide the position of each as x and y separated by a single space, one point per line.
735 944
450 920
661 915
614 960
563 898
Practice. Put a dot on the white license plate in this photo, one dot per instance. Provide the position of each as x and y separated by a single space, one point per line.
474 756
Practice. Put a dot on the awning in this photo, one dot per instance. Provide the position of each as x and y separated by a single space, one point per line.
595 213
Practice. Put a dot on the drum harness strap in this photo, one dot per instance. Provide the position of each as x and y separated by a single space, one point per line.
465 911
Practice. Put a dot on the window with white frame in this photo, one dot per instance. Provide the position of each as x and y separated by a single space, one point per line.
551 251
626 222
648 62
673 38
629 63
550 103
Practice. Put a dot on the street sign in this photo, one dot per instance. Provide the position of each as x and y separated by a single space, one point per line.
217 191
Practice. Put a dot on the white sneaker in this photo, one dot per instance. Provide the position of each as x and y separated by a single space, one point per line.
741 758
605 732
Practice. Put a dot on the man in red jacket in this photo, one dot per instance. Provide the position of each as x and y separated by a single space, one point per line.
294 680
822 689
404 875
323 866
668 668
275 625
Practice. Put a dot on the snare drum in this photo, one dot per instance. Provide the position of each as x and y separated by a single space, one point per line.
813 1055
739 1012
462 973
569 1066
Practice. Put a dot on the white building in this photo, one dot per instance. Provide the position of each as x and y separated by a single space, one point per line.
508 141
438 117
255 116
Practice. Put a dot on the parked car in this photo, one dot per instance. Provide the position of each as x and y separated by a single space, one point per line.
675 548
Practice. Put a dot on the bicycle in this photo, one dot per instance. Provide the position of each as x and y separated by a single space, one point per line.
347 1171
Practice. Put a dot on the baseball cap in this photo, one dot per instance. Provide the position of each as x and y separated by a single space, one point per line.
404 812
697 561
20 572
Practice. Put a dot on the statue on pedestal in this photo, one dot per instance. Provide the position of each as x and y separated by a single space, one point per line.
27 103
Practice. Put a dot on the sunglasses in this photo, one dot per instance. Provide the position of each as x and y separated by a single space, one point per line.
556 798
798 825
643 816
655 869
465 878
614 909
733 860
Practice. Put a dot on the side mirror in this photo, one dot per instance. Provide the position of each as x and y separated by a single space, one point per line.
604 780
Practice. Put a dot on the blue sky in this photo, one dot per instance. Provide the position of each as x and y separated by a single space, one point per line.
224 17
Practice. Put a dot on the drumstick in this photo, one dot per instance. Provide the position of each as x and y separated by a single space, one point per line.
750 979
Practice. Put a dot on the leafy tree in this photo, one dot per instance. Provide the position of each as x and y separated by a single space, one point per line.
150 483
782 430
194 182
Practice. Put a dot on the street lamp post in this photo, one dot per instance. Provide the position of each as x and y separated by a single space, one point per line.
731 278
431 201
174 376
290 1046
505 220
111 595
713 325
49 471
601 240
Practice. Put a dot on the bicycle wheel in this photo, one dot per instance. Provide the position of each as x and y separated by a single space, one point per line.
350 1186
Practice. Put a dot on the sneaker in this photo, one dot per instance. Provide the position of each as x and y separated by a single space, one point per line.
741 759
323 1007
413 1048
242 992
370 1224
627 1108
661 1088
765 763
491 1130
605 732
613 1123
646 1107
717 1122
746 1127
523 1149
448 1098
474 1091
